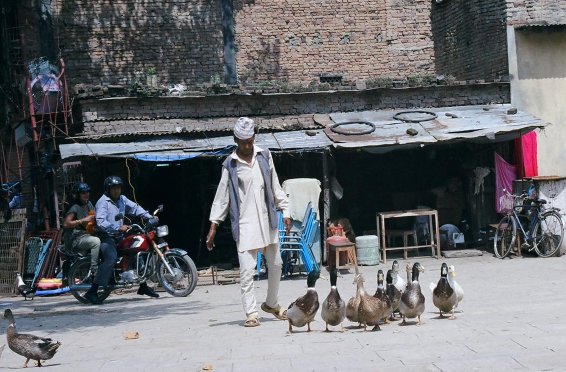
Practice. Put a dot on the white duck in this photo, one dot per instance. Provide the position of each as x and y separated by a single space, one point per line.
454 284
398 281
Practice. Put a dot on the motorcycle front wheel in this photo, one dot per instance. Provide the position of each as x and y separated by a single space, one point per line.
79 273
184 278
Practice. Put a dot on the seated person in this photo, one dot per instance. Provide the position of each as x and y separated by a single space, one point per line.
77 218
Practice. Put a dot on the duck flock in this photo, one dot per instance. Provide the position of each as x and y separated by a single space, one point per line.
396 296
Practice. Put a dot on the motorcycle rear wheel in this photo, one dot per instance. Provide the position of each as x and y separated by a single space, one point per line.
79 273
185 279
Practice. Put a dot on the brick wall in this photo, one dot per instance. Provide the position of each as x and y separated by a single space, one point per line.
521 12
470 39
117 41
300 40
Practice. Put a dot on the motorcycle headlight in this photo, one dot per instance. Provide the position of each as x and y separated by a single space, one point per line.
162 231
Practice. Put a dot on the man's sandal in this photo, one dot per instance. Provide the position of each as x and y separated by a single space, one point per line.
252 322
278 312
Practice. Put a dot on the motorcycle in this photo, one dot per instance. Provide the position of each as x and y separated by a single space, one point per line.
143 254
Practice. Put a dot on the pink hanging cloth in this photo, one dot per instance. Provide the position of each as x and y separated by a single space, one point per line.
530 161
505 174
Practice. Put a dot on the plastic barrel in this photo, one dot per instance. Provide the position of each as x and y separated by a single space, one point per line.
367 250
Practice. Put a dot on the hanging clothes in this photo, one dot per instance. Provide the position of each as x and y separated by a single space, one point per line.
526 155
530 161
505 174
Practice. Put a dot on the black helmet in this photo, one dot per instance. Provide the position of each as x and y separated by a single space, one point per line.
112 181
81 187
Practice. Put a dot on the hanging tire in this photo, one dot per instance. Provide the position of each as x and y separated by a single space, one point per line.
79 273
184 279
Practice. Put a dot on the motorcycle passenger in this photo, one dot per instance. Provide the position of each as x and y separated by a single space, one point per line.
111 231
77 239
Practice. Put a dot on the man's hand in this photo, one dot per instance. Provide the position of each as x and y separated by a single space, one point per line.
287 223
210 236
124 228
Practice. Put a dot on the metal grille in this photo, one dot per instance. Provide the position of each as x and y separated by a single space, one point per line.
12 234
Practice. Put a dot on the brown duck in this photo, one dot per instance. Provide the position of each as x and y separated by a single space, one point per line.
333 310
371 309
29 346
412 303
443 295
302 311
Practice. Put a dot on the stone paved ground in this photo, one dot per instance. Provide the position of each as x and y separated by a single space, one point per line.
512 319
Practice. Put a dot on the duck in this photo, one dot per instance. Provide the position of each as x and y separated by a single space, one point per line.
398 281
353 305
29 346
393 293
302 311
381 294
24 289
371 309
333 310
454 284
443 294
412 303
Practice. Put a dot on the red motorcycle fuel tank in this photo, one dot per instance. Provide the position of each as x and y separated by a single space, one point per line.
133 244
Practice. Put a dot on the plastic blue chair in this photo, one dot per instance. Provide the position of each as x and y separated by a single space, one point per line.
302 242
298 241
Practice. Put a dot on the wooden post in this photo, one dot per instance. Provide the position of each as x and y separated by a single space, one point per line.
325 203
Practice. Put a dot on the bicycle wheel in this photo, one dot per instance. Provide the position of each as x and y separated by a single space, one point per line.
549 234
505 236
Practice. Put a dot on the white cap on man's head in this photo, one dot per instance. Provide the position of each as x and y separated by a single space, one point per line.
244 128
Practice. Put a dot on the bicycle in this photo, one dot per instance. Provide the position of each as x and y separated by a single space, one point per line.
545 232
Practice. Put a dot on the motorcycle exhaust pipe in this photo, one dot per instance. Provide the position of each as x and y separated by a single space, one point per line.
86 287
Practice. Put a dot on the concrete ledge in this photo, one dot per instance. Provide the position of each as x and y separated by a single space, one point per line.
462 253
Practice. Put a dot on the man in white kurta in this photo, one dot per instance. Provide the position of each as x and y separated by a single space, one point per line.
255 232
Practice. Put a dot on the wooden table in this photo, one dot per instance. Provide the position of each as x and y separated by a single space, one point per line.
433 230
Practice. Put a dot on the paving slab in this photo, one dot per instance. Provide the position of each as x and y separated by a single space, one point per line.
510 319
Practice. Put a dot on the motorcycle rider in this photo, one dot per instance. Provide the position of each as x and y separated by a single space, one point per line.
111 231
77 239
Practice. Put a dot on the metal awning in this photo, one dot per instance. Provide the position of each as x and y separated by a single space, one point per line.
483 124
178 149
492 123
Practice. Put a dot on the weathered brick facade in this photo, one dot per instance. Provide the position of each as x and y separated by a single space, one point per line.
470 39
302 40
117 41
541 12
113 42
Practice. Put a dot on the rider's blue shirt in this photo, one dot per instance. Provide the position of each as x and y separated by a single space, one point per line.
106 210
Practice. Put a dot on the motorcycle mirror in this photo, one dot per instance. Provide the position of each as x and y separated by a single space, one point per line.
159 209
118 217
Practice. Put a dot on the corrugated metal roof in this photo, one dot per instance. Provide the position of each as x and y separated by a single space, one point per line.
136 127
177 149
470 123
450 124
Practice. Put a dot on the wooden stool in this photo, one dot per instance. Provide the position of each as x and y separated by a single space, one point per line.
350 249
405 234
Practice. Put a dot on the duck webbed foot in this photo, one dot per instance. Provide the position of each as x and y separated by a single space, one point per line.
376 328
290 327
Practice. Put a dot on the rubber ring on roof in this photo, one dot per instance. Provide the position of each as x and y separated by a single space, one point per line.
336 128
406 116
